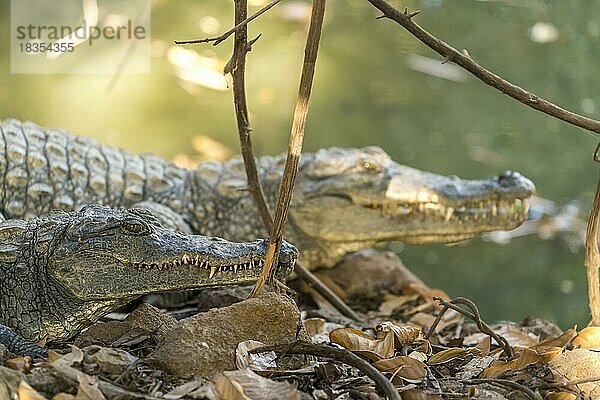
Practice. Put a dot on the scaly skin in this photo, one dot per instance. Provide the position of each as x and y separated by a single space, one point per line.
345 199
61 272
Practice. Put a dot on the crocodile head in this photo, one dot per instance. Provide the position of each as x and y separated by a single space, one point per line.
362 195
107 254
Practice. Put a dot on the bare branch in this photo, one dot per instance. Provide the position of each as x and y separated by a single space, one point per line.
295 145
238 72
592 259
464 60
333 353
241 24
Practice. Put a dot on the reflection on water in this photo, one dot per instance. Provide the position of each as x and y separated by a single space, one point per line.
375 84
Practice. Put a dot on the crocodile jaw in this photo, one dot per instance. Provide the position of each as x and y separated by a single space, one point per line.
412 206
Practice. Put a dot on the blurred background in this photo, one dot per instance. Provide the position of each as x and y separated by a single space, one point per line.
376 85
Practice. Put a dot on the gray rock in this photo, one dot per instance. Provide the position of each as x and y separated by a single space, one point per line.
363 277
205 344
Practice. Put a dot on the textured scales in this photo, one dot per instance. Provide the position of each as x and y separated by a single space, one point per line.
345 199
61 272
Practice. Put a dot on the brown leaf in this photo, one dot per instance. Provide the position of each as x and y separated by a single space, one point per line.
247 385
407 368
26 392
391 302
588 338
256 362
75 356
109 361
63 396
560 396
404 334
415 394
183 390
527 357
516 336
359 342
21 364
314 326
484 346
560 341
452 354
88 388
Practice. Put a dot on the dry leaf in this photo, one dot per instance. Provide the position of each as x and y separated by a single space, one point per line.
256 362
183 390
314 326
247 385
67 360
360 343
407 368
415 394
516 336
527 357
588 338
560 396
392 302
484 346
452 354
404 335
21 364
560 341
109 361
88 388
63 396
579 364
26 392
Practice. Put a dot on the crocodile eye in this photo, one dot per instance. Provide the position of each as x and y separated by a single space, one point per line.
370 166
135 228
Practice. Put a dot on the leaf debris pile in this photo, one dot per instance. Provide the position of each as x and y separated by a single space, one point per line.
426 349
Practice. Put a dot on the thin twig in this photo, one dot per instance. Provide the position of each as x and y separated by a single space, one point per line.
464 60
295 146
242 24
238 72
341 355
505 383
573 382
325 291
473 315
592 257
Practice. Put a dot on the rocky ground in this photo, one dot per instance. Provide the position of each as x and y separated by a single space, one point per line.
408 345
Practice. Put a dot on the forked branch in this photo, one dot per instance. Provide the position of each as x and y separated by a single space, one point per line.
239 25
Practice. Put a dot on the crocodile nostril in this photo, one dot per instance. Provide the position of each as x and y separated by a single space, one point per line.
507 177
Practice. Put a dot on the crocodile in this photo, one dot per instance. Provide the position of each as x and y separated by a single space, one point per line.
61 272
344 199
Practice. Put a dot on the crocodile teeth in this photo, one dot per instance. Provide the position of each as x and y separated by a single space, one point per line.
213 271
235 268
449 213
185 258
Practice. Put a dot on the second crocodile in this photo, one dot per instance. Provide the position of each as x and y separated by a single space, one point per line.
345 199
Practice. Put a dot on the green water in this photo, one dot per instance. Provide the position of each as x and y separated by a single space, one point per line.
365 93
